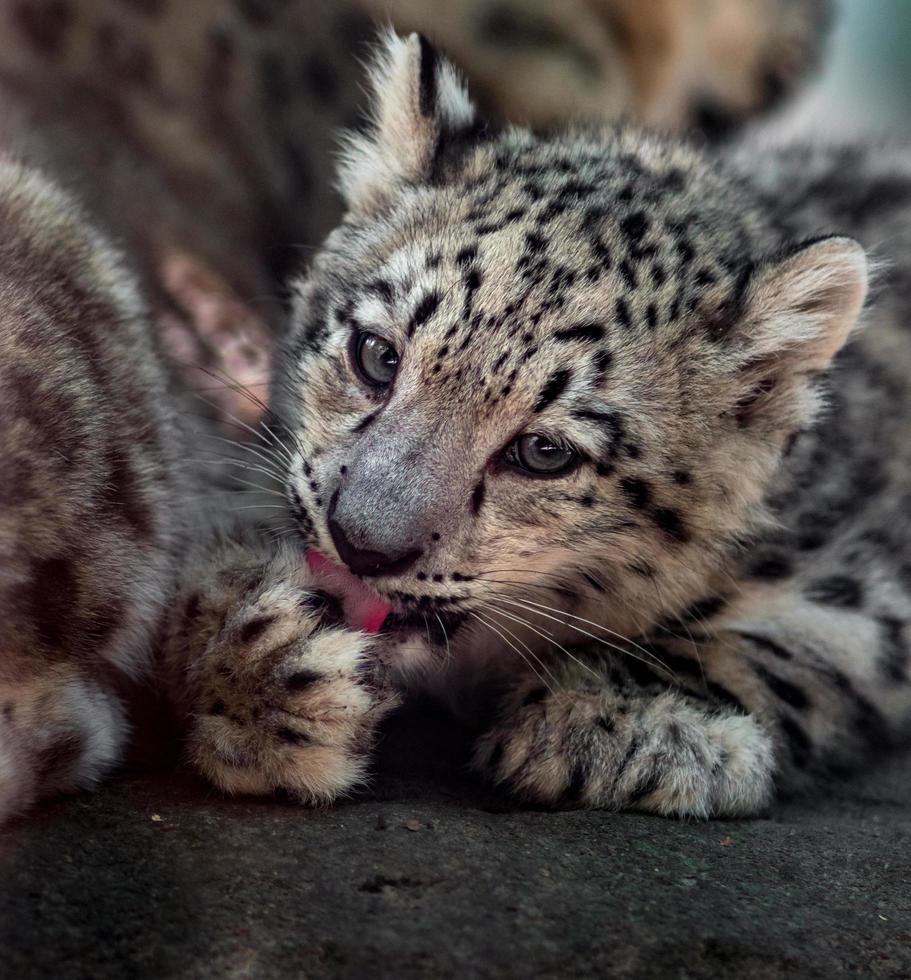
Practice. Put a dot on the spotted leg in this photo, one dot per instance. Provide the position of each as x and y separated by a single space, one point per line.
603 740
708 727
277 694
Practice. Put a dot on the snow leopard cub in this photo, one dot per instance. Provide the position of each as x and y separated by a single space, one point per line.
582 436
96 495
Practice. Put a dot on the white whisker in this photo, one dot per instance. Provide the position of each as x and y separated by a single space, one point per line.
445 637
544 635
522 656
648 656
244 465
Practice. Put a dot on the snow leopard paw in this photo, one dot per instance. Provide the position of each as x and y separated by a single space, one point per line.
285 697
664 753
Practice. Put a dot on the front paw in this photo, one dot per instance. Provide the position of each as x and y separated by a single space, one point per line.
289 701
662 753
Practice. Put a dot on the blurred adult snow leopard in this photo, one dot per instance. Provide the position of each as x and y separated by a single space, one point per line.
598 438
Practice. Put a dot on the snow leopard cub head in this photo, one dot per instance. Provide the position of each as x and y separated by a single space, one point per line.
544 366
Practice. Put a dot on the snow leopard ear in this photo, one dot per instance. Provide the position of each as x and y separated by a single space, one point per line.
796 313
417 99
802 307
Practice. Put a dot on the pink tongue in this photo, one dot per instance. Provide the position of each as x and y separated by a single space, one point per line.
364 609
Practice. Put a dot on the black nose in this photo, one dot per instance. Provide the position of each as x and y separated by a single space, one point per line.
363 561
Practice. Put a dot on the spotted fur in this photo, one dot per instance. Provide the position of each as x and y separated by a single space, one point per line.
196 159
277 692
207 162
96 495
714 602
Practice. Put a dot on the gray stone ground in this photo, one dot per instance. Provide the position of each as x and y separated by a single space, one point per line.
430 875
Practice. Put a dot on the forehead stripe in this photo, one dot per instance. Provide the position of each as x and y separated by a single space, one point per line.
556 385
424 311
581 331
623 313
383 289
602 361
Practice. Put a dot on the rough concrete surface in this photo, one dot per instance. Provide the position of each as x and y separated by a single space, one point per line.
431 875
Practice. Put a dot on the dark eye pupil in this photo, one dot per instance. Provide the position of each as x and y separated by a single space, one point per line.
538 454
377 359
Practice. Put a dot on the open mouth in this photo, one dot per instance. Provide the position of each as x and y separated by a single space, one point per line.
368 611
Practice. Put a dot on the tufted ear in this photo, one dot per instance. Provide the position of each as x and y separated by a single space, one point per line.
797 313
417 99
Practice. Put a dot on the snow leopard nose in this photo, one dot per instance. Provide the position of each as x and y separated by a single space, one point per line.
365 561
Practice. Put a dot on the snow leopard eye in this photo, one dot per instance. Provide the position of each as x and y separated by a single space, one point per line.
376 360
541 456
